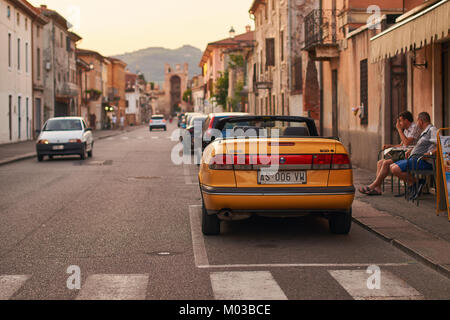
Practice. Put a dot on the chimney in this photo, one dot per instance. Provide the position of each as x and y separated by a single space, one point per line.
248 28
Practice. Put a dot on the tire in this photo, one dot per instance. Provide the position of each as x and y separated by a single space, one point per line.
210 223
165 128
83 154
151 129
91 153
341 223
40 157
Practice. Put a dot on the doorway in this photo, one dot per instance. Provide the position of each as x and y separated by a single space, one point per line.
37 114
446 83
398 96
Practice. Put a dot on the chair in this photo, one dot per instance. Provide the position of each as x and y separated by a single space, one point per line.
381 157
422 173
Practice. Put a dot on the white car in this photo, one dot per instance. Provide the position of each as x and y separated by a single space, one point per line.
158 122
65 136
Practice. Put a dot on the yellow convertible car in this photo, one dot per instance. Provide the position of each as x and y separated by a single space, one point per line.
275 166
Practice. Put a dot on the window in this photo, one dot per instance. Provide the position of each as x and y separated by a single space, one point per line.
298 75
270 52
364 87
8 12
9 50
282 45
38 63
26 57
26 23
38 31
18 54
18 19
61 39
19 112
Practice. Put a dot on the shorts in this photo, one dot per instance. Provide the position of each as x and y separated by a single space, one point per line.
413 164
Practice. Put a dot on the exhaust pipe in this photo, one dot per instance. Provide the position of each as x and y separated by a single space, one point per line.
228 215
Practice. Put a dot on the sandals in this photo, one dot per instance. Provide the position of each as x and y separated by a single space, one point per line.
369 192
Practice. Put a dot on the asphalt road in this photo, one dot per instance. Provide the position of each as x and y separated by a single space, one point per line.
130 220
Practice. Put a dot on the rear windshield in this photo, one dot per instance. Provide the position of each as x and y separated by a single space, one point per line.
269 129
157 118
63 125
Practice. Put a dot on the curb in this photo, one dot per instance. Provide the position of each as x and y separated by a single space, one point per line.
409 250
18 158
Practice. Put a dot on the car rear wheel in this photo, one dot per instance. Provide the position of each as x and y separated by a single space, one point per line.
210 223
341 223
40 157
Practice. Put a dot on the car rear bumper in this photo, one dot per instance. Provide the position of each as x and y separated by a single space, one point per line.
159 126
69 149
292 200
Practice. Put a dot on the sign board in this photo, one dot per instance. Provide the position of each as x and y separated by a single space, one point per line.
443 172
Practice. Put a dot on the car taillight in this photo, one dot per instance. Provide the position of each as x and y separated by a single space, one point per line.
151 121
322 162
341 161
43 142
221 162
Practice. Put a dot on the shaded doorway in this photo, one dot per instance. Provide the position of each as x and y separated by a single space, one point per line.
398 97
446 83
335 116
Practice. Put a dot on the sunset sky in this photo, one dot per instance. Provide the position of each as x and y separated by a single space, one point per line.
114 27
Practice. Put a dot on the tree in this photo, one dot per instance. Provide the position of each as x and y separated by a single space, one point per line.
187 96
222 85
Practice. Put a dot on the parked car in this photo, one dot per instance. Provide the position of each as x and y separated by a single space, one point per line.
180 119
158 122
187 119
313 174
211 123
65 136
196 121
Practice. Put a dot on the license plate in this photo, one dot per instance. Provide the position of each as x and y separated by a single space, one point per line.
58 147
283 177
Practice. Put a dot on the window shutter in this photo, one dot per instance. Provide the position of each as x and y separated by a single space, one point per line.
297 82
364 94
270 52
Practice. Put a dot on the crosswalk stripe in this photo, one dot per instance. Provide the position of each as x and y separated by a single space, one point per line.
114 287
355 282
253 285
9 285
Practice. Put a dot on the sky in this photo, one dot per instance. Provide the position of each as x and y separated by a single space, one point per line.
115 27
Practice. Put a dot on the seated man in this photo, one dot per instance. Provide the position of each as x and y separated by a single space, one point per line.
409 133
426 146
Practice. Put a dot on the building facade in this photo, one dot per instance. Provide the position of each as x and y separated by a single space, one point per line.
175 85
282 80
371 72
60 75
116 87
16 83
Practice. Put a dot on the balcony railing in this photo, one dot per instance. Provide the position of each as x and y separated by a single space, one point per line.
67 89
113 94
320 28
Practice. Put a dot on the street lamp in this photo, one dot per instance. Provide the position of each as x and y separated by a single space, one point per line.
232 33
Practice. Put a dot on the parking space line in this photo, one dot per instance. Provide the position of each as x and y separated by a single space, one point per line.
10 284
303 265
114 287
198 242
250 285
355 282
187 176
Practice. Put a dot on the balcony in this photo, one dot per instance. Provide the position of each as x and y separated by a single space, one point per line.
321 35
113 94
67 90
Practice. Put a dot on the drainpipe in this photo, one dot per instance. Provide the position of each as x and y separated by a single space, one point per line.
321 88
289 4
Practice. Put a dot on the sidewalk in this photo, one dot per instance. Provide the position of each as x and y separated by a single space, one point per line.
25 150
416 230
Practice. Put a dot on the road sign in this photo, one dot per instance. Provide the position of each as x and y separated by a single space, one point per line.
443 173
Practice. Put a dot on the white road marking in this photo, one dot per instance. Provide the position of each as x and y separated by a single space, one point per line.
251 285
140 138
391 287
155 138
187 177
303 265
125 138
114 287
9 285
109 138
198 242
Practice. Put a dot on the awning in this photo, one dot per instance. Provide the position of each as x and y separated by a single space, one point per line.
427 26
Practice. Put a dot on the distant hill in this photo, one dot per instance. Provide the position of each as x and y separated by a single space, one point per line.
151 61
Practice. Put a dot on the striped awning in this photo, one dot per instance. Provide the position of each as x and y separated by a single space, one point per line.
425 27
